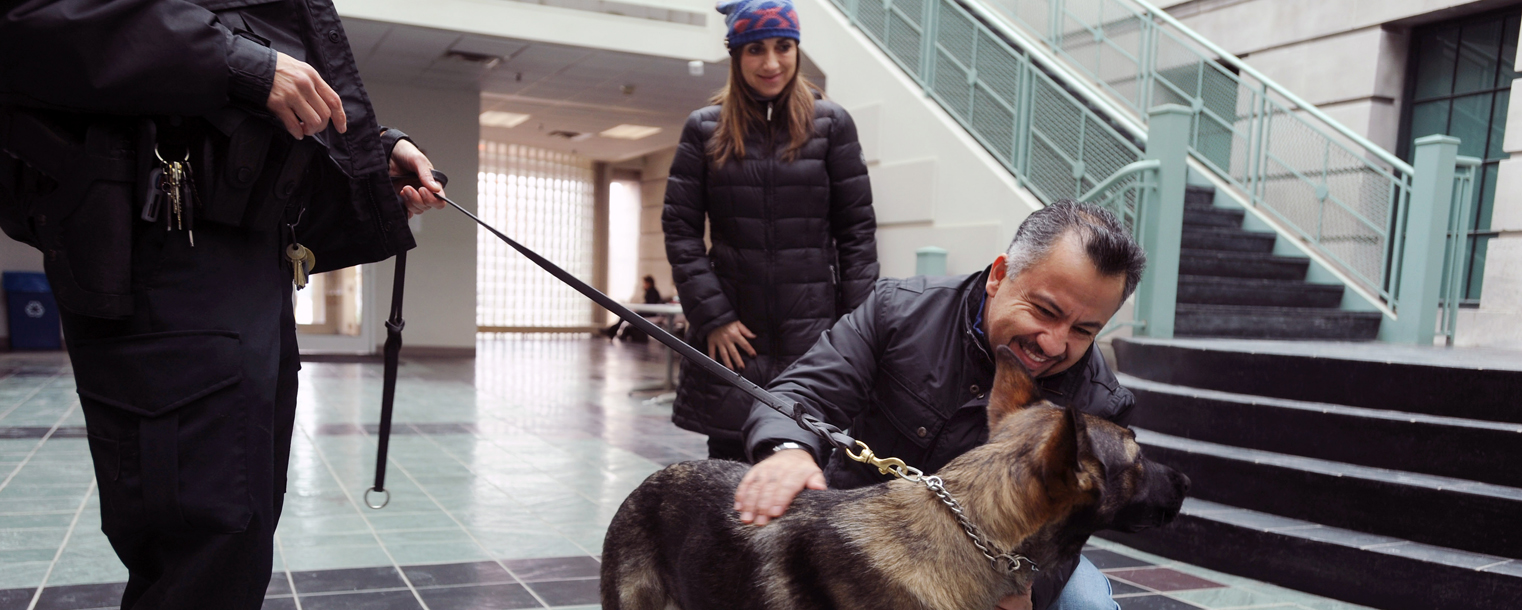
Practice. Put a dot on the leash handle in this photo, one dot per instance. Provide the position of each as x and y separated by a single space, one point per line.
393 350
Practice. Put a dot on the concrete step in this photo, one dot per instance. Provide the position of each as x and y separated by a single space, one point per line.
1469 383
1371 570
1482 451
1212 217
1442 511
1199 196
1222 238
1255 322
1223 263
1213 290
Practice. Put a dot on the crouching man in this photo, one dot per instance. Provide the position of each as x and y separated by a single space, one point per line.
908 372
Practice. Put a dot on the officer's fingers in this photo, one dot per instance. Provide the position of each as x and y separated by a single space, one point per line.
334 104
310 122
740 326
816 481
734 356
288 118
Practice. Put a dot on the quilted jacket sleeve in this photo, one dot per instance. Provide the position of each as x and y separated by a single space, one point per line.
683 220
127 57
832 381
853 224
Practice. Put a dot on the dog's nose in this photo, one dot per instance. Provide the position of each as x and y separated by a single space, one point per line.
1183 483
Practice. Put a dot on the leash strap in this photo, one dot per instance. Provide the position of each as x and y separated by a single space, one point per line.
393 351
828 432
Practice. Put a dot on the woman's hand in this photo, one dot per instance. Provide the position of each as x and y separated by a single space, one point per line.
725 343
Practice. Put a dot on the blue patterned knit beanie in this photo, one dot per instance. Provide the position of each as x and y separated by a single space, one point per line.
752 20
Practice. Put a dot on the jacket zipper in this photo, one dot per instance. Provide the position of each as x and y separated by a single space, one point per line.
767 203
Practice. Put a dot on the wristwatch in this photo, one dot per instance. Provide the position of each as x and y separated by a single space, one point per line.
789 445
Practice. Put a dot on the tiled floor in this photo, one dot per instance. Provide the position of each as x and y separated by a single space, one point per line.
504 473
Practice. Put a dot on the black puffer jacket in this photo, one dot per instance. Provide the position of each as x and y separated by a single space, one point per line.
794 248
908 372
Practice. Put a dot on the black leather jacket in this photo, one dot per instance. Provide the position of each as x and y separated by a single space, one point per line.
85 79
908 372
793 249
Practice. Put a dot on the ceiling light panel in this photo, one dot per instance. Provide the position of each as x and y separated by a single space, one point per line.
630 132
497 118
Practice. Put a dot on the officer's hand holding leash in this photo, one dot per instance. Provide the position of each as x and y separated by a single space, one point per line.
408 163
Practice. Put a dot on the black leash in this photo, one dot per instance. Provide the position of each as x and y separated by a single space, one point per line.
824 430
393 351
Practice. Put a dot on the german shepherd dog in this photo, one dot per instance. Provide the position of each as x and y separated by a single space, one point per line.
1047 478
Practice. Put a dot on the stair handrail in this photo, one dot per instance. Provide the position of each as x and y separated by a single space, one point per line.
1120 174
1316 180
1269 83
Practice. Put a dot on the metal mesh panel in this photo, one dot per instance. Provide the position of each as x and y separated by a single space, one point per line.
999 70
956 34
903 38
872 18
991 119
951 85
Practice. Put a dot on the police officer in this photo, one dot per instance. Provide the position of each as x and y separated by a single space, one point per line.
181 164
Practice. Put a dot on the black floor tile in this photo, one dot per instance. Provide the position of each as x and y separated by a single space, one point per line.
279 603
479 597
1153 602
357 579
554 568
279 585
1106 560
74 597
568 592
474 573
1121 588
366 600
15 599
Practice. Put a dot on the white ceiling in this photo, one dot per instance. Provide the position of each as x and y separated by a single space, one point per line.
561 88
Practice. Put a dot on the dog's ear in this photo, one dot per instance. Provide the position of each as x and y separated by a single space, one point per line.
1066 452
1013 387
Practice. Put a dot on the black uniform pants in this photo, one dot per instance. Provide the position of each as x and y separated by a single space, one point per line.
190 406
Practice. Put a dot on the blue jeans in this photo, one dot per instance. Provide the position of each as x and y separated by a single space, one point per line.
1088 589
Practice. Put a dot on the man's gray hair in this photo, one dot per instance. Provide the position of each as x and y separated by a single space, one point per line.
1105 239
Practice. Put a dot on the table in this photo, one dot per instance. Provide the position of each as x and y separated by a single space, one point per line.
669 312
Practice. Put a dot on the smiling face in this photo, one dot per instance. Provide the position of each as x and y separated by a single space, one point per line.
769 65
1050 313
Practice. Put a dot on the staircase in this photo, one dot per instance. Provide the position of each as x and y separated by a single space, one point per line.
1381 475
1231 284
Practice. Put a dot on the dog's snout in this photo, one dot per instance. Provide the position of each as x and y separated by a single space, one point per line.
1181 482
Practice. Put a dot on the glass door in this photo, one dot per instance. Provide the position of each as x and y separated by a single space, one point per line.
330 312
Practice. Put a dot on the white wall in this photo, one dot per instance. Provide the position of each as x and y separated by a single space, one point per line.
440 303
932 184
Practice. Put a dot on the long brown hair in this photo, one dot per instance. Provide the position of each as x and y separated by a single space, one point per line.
739 112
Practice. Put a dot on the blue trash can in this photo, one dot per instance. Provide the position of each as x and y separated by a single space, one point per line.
33 312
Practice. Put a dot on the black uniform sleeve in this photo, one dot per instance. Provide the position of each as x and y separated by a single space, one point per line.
683 219
853 223
127 57
832 381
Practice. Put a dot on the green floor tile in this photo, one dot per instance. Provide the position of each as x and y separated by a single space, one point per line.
332 558
20 575
453 552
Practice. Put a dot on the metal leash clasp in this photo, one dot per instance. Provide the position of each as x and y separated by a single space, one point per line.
892 465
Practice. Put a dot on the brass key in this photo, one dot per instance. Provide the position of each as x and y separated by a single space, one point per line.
302 262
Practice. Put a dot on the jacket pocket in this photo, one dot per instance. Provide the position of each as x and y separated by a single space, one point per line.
167 425
911 415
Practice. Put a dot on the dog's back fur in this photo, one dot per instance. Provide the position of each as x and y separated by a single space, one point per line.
1046 480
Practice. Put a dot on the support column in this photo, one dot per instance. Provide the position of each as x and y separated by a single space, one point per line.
1421 271
602 182
1162 219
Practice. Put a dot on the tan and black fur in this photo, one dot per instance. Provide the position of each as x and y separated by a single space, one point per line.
1047 479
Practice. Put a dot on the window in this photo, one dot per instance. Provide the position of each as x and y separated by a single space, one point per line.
1459 84
543 200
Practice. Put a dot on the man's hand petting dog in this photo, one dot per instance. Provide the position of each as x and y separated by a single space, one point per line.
770 486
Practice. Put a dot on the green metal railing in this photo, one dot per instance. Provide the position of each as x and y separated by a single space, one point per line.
1340 194
1054 144
1456 245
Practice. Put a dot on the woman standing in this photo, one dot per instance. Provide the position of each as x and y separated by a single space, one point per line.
777 174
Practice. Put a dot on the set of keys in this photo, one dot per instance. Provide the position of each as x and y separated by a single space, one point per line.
172 183
302 262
